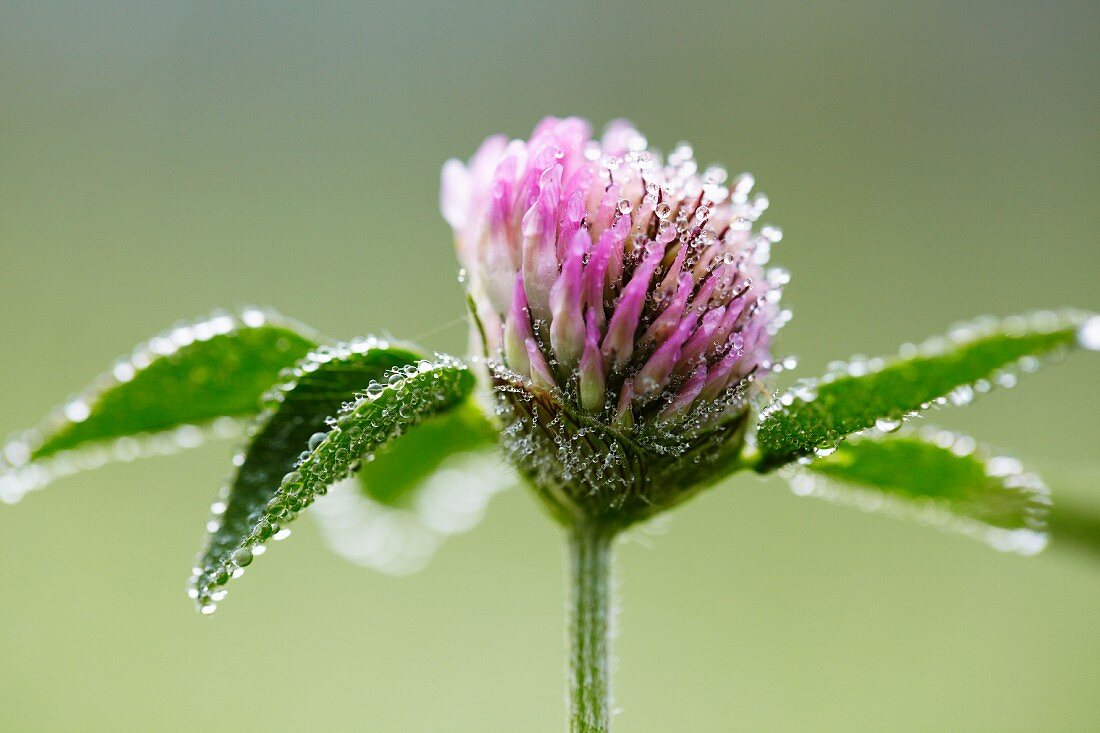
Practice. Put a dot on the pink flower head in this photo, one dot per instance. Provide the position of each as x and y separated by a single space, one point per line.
630 283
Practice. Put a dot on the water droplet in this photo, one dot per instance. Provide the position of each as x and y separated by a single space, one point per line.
888 424
715 174
77 411
962 395
1088 336
315 440
241 557
124 371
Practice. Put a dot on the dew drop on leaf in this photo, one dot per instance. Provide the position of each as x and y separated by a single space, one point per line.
315 440
888 424
1089 334
242 557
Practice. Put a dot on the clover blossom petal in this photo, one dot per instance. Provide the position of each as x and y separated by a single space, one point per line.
626 288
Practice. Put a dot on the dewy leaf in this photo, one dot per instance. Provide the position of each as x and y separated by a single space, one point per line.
435 482
938 478
295 410
401 465
158 399
259 508
817 415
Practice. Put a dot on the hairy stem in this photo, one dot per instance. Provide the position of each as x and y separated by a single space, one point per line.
589 629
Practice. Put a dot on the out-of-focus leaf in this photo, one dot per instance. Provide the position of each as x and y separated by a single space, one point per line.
400 537
159 398
938 478
433 483
316 389
971 358
383 409
399 466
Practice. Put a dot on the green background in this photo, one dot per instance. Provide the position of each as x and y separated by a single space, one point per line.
927 162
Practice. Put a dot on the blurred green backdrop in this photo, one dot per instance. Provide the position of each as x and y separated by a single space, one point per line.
927 162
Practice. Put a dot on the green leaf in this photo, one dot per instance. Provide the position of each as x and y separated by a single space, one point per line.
265 500
315 389
400 466
192 376
433 483
938 478
972 358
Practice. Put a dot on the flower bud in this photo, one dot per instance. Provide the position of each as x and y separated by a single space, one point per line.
622 309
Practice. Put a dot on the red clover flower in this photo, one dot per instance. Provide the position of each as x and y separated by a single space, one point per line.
623 307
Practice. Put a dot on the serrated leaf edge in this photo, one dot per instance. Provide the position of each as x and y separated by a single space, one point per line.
204 581
1084 324
20 473
1026 541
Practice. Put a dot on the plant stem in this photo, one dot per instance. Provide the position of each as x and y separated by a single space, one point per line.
589 629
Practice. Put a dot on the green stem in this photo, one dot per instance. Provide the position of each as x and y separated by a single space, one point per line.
589 629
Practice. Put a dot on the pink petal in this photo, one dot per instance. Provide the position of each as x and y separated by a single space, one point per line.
696 346
624 412
540 260
619 137
655 373
572 215
684 399
665 323
618 344
609 205
517 330
540 370
454 194
595 272
592 377
567 328
719 377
